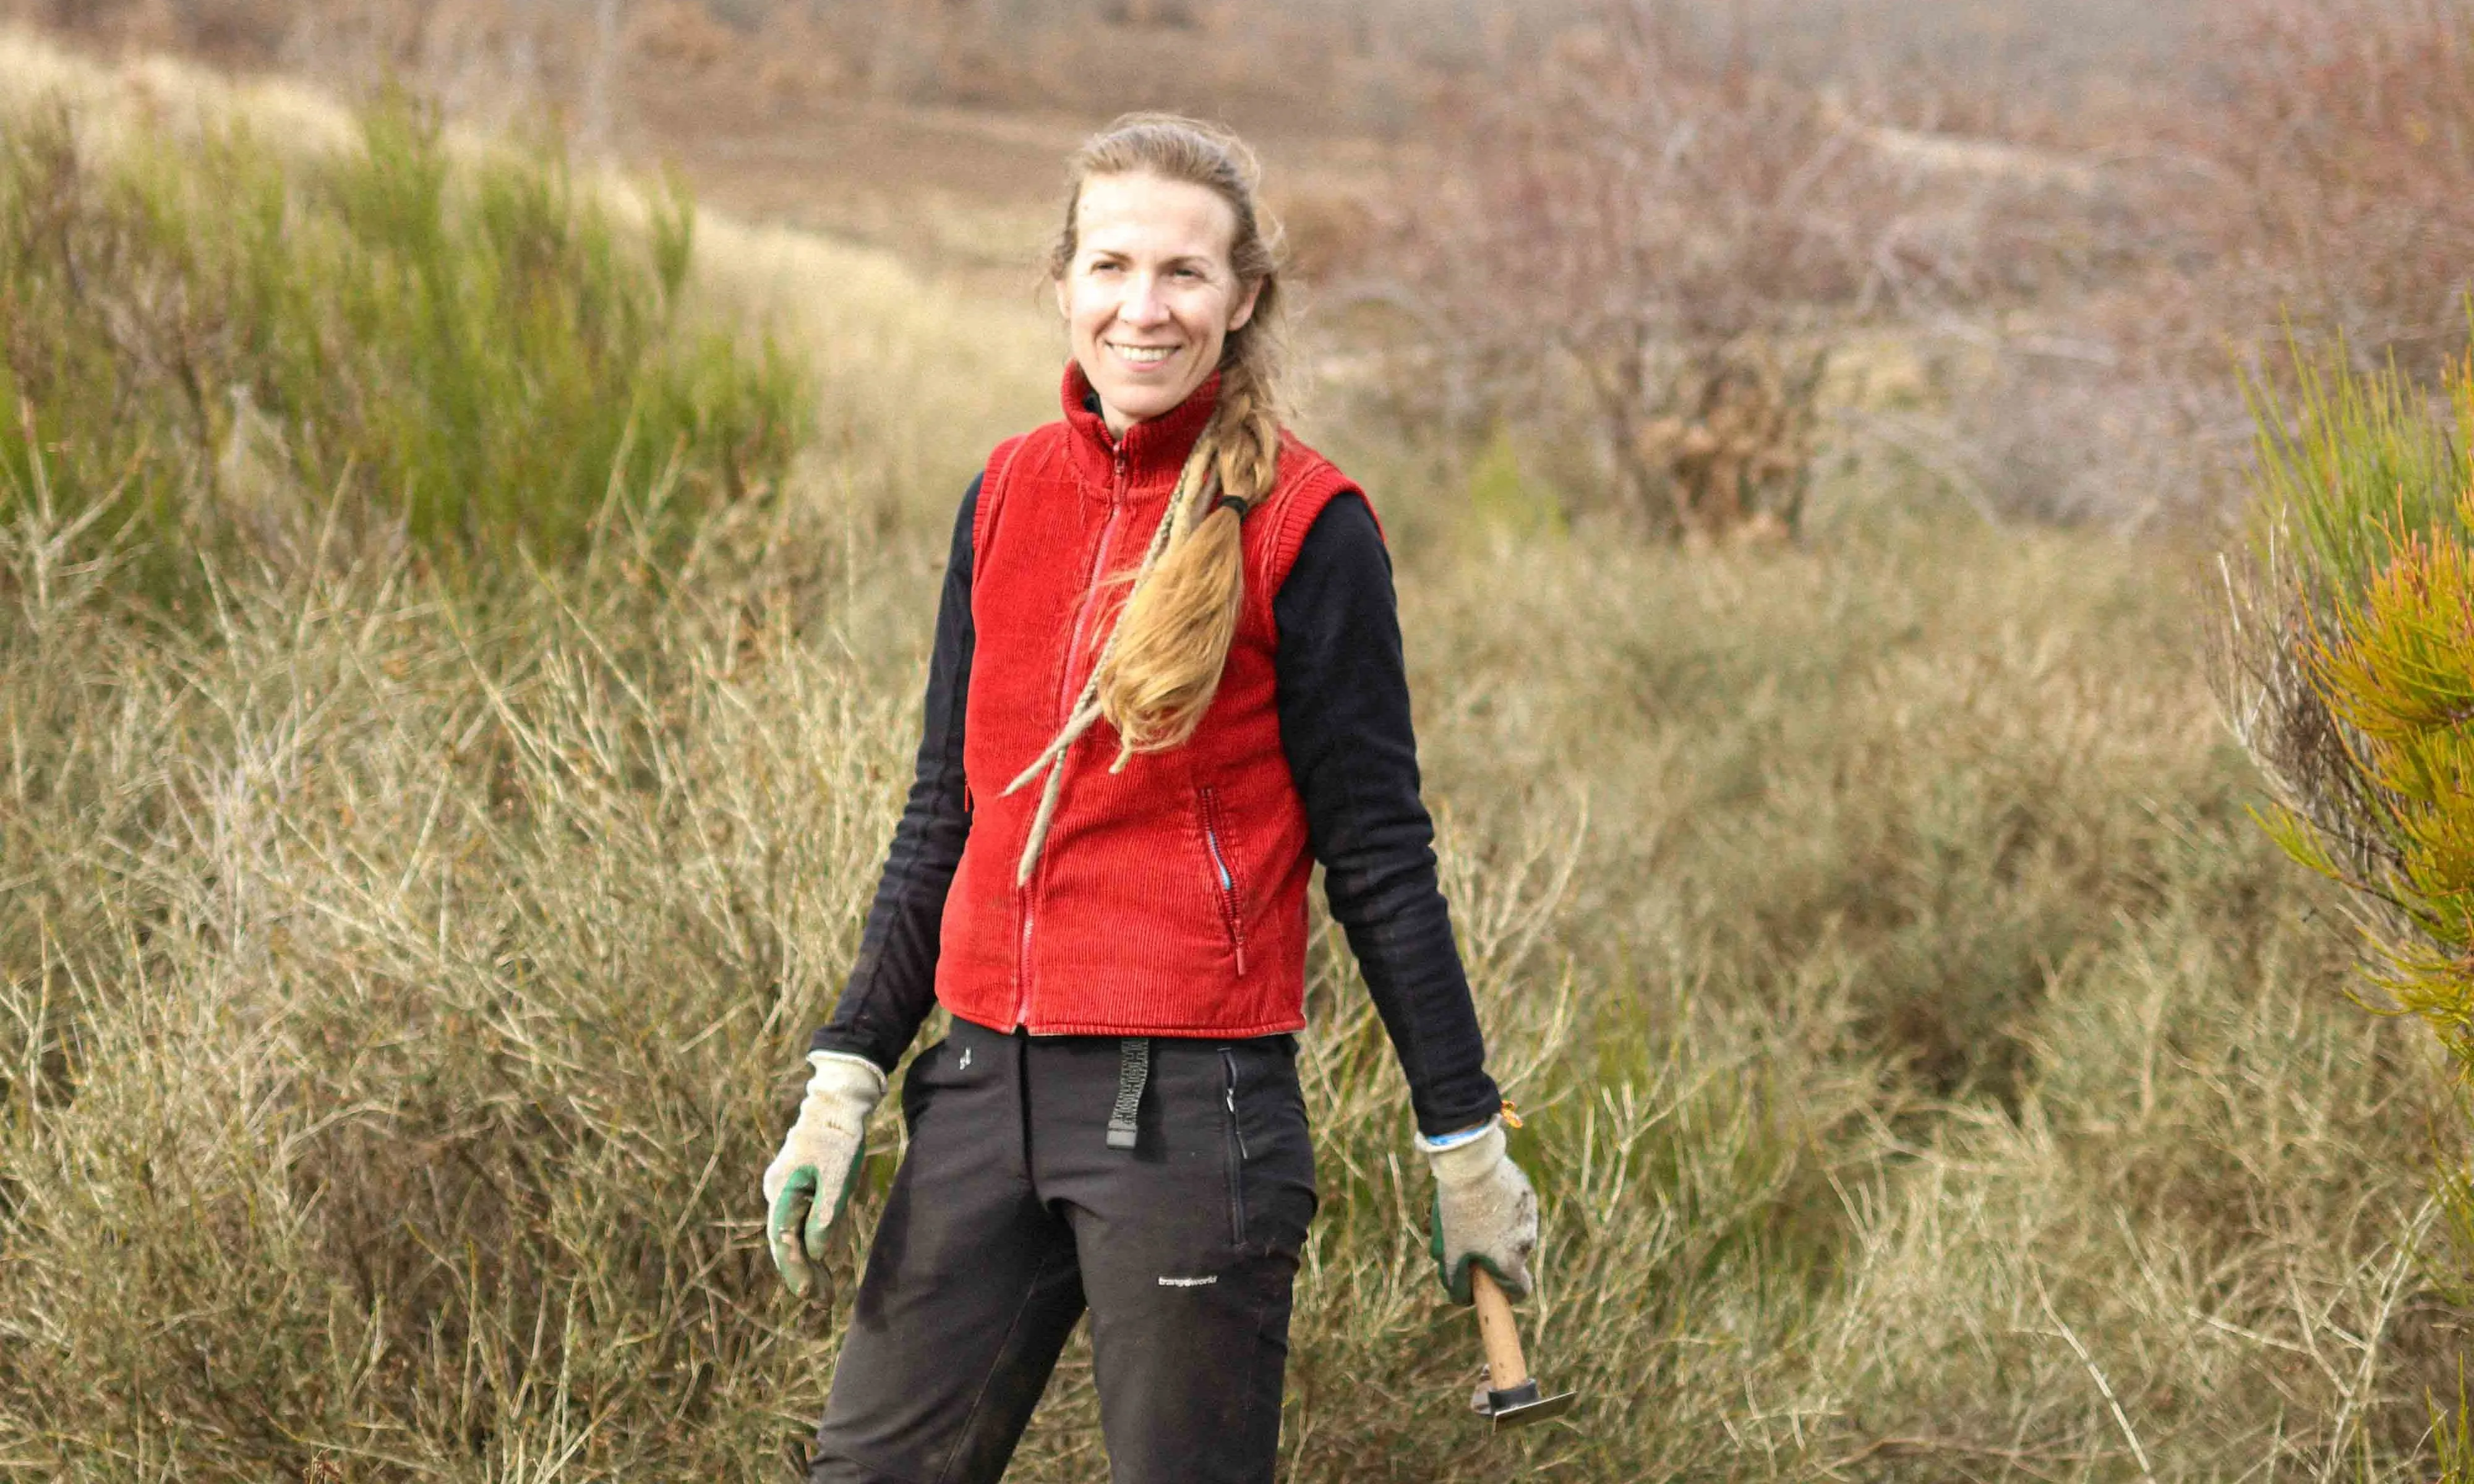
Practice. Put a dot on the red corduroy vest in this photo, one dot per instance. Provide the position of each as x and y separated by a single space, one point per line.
1170 899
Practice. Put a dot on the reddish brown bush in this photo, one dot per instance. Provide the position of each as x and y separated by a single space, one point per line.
1632 219
2346 131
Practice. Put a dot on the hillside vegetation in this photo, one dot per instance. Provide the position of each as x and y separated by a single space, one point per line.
1931 1069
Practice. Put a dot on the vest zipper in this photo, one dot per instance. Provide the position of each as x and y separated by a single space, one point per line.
1065 693
1066 690
1022 958
1231 917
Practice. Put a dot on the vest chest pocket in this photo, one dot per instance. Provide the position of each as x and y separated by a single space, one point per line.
1224 875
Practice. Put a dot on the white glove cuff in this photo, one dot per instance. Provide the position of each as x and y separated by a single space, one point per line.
1460 1160
846 1079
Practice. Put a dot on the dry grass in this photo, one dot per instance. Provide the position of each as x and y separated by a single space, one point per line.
1935 1072
917 382
398 976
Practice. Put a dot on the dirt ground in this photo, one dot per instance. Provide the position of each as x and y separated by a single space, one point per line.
964 193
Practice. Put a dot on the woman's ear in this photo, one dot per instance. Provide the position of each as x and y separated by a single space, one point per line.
1245 309
1063 310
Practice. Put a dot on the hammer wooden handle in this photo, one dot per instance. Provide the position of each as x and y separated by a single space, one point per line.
1505 1369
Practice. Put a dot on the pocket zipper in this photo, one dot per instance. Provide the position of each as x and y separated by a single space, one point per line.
1236 1143
1230 916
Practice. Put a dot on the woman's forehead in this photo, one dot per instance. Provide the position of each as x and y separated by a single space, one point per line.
1153 216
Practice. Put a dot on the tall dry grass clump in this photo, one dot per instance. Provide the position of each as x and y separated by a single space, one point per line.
401 976
386 1047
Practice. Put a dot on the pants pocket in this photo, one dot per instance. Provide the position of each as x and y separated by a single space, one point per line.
1235 1141
1270 1153
919 1084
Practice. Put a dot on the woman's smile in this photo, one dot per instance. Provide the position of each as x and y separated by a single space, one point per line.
1142 357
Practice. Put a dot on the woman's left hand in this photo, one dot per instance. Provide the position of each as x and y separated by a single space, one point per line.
1486 1213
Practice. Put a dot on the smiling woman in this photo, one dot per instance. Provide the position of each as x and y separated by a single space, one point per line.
1177 621
1148 295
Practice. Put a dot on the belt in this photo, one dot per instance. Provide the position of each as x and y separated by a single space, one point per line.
1134 1074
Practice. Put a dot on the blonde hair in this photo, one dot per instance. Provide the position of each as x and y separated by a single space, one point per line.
1162 664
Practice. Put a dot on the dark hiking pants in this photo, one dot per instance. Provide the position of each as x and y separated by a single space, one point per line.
1011 1215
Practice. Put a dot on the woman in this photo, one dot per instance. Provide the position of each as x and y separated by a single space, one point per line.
1167 679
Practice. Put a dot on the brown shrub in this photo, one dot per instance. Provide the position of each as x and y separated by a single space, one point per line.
1617 230
681 34
1737 453
2345 133
2083 278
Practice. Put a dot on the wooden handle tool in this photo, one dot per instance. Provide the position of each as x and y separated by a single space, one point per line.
1513 1398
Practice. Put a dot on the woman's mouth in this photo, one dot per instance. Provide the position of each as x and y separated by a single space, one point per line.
1142 356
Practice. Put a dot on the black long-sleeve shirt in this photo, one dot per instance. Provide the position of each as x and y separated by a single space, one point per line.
1343 694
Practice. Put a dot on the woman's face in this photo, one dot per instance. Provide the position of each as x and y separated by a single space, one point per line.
1151 296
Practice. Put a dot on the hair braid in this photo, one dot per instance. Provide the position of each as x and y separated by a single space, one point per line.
1172 640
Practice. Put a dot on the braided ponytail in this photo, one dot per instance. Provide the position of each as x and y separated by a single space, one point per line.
1172 636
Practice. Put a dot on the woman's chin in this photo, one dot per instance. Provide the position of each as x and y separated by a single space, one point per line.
1139 399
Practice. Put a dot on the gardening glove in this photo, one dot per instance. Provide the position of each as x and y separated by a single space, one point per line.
1485 1212
809 1180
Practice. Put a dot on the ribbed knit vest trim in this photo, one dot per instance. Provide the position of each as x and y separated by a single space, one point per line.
1170 897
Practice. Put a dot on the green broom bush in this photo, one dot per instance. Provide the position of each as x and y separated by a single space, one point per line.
2352 679
227 344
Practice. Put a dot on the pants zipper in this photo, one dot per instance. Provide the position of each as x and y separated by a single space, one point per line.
1236 1143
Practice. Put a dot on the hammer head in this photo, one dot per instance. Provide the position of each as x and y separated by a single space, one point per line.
1522 1404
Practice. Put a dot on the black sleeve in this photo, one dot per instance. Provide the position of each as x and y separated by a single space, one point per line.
892 984
1344 699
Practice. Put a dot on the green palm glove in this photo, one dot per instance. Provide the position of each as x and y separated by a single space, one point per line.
809 1180
1486 1214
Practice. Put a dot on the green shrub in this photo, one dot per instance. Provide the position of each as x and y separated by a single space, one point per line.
2351 644
225 345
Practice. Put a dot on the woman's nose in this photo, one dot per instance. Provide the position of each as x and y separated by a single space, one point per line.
1142 303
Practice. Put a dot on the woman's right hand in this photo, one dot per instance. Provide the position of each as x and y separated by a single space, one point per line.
809 1180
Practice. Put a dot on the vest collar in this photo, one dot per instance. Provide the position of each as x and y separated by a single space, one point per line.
1154 449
